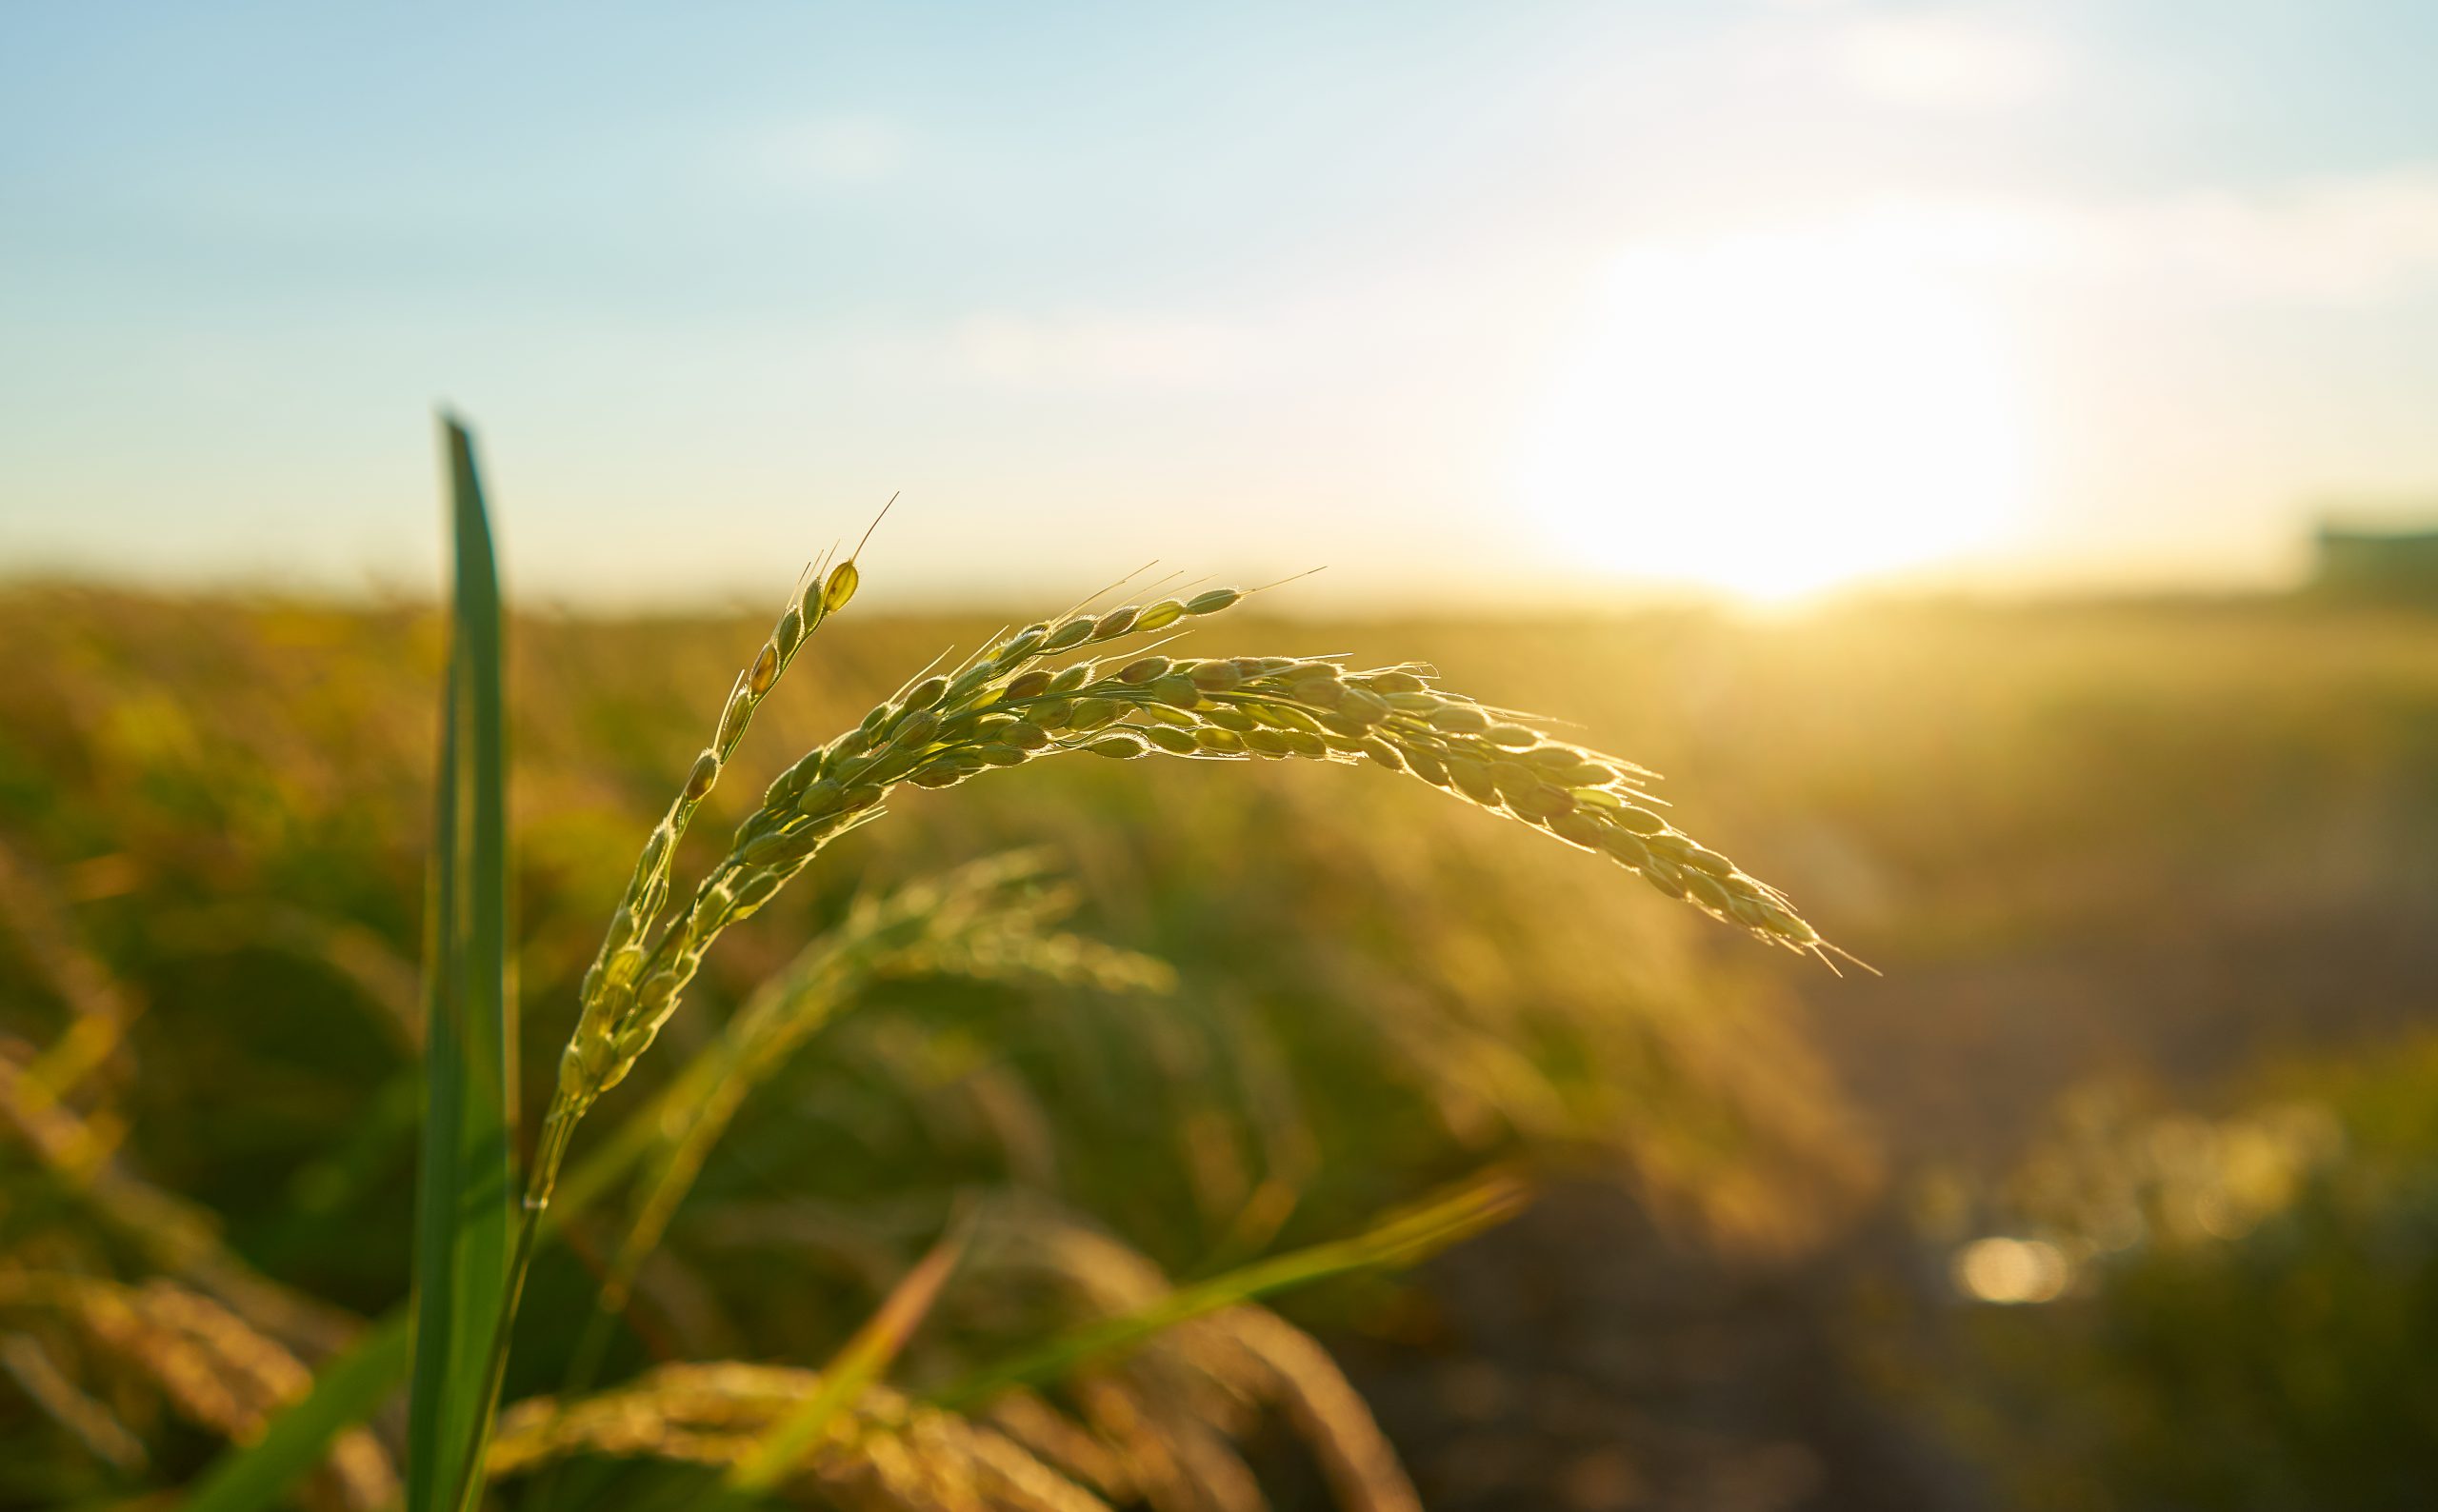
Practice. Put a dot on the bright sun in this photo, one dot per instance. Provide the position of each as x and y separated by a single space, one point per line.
1774 415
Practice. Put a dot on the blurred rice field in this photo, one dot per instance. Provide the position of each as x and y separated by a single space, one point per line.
2125 868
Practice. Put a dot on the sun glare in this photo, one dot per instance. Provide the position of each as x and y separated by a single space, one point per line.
1771 416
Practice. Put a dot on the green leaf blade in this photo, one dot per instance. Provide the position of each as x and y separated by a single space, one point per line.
1401 1239
463 1215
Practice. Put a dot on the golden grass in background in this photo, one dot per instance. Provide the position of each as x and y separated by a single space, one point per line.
2085 841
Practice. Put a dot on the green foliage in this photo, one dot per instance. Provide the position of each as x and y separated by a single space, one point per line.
465 1194
1399 1239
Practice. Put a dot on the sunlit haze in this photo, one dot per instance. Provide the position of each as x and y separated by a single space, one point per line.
1773 415
1511 304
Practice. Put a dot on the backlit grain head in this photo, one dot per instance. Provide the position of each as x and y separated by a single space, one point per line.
841 586
1069 632
993 713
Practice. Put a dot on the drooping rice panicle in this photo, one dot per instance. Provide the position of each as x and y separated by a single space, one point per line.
1014 703
883 1453
212 1366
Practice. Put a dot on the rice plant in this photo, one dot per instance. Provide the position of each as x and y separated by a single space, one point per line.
1108 1384
1049 690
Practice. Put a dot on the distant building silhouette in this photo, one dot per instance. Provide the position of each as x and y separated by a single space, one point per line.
2356 564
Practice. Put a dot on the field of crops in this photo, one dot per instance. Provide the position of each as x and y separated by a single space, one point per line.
2150 888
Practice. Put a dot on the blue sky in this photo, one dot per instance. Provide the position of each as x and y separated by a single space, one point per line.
1492 301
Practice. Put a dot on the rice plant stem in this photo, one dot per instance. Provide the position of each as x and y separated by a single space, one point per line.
558 1126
